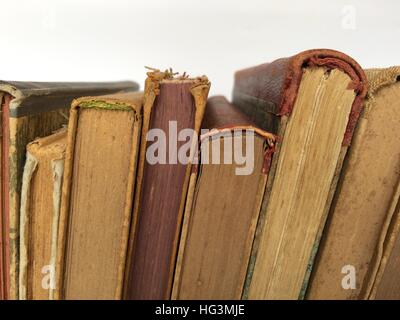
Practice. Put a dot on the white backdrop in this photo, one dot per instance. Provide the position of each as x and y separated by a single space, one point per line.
99 40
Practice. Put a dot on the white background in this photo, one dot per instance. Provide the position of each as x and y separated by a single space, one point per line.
101 40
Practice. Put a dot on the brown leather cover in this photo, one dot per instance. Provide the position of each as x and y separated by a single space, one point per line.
222 114
272 87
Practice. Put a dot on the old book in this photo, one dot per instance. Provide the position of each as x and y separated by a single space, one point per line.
383 281
223 205
172 106
30 110
360 213
311 101
97 195
39 215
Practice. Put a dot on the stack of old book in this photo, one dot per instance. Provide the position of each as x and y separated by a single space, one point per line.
292 191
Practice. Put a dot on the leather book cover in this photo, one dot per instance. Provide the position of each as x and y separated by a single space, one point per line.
223 205
171 103
97 196
30 110
312 102
271 88
353 240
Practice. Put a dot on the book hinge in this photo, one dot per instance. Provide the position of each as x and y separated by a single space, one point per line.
268 159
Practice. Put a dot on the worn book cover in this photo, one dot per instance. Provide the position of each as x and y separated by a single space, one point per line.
382 280
173 106
39 215
312 102
30 110
97 196
364 203
224 198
